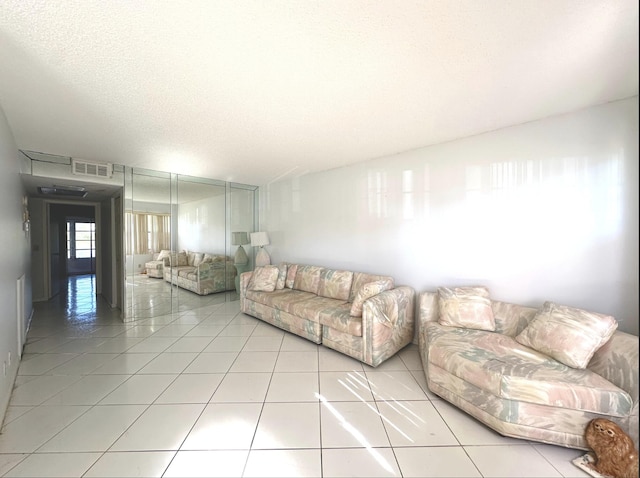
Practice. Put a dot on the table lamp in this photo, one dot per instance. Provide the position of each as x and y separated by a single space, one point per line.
261 239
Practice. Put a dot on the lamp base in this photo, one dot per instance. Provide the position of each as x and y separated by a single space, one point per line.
262 258
241 256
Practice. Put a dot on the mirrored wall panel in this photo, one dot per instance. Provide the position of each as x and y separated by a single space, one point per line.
179 240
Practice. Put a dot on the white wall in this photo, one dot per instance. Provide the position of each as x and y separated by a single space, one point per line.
541 211
202 225
15 260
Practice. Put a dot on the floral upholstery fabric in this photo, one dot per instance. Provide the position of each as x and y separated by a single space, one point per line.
569 335
361 278
282 275
367 291
206 278
521 392
335 284
468 307
264 279
385 327
292 269
308 278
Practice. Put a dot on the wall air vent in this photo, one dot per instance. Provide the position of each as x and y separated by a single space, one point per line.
86 168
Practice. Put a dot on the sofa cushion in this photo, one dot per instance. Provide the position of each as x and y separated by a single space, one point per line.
282 275
283 300
291 275
360 279
567 334
468 307
338 317
197 258
335 284
367 291
264 279
308 278
501 366
311 308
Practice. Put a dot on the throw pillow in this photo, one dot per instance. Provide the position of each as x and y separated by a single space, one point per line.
367 291
291 275
264 279
183 259
197 258
466 307
282 275
567 334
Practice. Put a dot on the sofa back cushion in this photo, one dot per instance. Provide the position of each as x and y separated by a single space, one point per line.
511 319
308 278
291 275
335 284
360 279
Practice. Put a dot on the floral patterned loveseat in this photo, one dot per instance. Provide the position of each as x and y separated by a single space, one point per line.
361 315
199 272
529 391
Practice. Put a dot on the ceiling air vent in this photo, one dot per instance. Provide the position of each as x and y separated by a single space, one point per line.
86 168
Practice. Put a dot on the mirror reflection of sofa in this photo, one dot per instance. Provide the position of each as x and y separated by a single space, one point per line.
198 272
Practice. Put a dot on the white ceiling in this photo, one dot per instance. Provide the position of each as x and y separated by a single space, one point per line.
253 91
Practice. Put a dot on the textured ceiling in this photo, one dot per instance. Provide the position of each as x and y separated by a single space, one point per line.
253 91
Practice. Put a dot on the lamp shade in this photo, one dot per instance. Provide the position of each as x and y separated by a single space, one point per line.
239 238
259 239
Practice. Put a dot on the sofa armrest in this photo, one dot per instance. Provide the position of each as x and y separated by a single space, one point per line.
387 323
617 361
203 271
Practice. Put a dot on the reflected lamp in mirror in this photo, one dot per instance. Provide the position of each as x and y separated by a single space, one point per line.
239 239
261 239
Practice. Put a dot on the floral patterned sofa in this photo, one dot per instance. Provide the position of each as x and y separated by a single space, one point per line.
538 374
198 272
361 315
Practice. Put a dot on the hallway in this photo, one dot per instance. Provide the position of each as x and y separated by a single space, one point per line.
213 392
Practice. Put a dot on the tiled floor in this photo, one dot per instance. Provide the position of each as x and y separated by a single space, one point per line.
213 392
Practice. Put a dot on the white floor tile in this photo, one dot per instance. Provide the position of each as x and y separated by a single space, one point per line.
415 423
293 387
332 361
96 430
352 424
54 464
242 387
42 388
254 362
89 390
139 389
189 344
468 430
150 464
262 344
395 385
169 363
82 364
359 462
236 397
283 464
288 425
561 459
191 388
435 462
41 363
125 364
224 426
218 362
297 362
152 344
10 460
226 344
160 428
507 461
195 464
344 386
